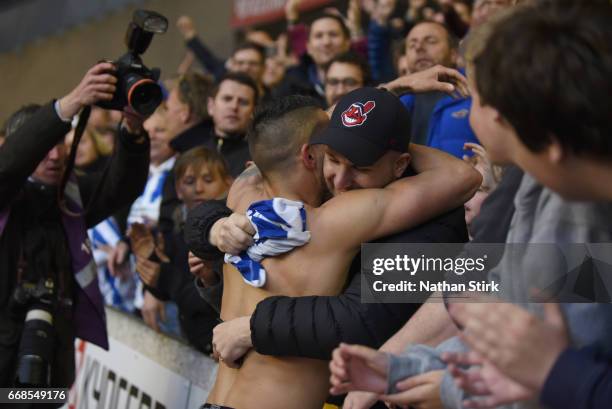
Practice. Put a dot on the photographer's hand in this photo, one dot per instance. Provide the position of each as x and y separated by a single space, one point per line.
98 84
132 121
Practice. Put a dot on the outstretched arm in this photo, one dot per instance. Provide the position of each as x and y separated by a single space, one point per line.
443 183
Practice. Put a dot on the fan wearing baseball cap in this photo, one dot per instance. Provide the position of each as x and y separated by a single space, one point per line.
366 142
279 145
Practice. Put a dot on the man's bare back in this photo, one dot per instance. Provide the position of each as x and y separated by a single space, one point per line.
308 270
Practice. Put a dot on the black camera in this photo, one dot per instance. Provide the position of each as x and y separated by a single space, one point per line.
136 84
35 353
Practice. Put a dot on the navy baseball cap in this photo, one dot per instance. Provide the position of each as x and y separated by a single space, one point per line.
366 123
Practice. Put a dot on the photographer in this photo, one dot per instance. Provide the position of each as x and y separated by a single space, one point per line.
48 278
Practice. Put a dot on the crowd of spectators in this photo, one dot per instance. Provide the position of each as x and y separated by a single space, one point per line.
520 92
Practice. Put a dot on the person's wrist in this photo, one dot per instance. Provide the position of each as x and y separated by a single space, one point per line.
246 340
68 106
214 231
189 35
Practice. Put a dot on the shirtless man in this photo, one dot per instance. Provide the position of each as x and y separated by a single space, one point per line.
279 145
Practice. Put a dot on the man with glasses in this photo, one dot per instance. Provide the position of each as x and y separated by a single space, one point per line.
343 74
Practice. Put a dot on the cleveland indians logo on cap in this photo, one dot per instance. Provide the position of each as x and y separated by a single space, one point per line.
357 113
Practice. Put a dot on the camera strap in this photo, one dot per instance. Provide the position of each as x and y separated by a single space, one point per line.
78 134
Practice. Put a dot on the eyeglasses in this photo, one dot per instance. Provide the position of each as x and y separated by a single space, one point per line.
347 82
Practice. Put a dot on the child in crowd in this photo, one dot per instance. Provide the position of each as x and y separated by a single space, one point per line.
200 174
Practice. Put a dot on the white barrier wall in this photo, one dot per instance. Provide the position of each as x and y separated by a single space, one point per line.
142 369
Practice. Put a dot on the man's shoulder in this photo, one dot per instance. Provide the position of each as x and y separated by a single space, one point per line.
196 135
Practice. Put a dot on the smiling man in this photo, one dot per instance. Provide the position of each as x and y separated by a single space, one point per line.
328 37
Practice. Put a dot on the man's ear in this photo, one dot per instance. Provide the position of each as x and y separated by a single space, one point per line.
499 118
347 45
210 106
307 157
401 163
555 151
309 47
185 114
454 57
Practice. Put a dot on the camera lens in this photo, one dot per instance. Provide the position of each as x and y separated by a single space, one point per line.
144 95
35 352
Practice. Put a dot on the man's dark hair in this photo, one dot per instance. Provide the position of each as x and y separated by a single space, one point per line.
339 20
546 68
352 58
249 45
193 88
18 118
280 127
240 78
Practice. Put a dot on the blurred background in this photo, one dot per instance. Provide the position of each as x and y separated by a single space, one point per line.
45 45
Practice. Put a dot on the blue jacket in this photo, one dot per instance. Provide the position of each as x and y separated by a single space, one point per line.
449 127
579 380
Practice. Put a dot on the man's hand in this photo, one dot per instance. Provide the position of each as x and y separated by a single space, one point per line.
148 271
422 391
292 12
132 121
98 84
353 18
232 234
436 78
491 173
232 339
202 269
358 368
485 382
186 27
521 345
151 310
117 259
360 400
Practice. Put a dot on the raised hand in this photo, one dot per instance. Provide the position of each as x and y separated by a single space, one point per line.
186 27
97 85
436 78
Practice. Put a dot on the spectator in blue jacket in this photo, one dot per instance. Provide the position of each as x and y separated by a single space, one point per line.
439 120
